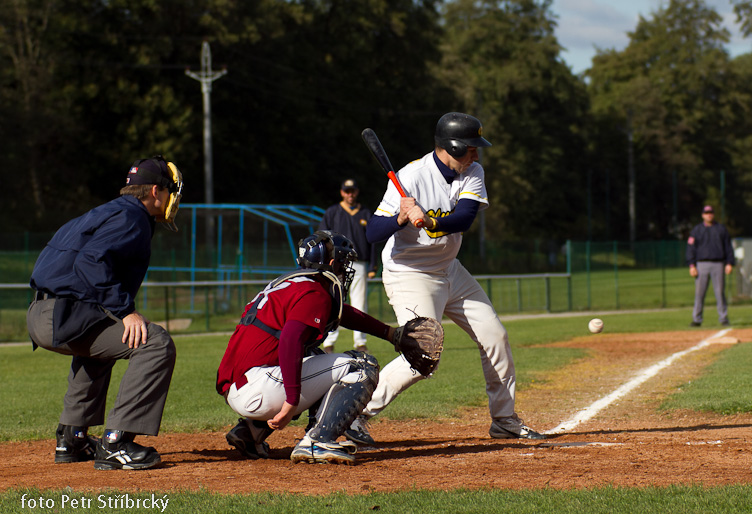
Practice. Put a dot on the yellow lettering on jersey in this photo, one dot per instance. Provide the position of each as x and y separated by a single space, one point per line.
437 214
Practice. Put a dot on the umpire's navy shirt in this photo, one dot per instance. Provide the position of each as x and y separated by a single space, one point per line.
710 243
100 257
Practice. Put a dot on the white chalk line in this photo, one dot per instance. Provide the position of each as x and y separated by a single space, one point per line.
644 375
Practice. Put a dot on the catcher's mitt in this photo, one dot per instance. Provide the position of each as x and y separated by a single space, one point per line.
421 341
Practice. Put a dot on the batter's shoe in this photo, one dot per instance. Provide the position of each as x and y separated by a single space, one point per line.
358 431
512 428
117 450
242 437
74 444
317 452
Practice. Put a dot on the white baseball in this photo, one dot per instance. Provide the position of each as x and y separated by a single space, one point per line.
595 325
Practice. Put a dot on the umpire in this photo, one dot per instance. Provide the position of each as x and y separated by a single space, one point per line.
709 255
86 280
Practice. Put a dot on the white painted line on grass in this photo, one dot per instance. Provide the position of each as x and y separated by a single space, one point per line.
642 376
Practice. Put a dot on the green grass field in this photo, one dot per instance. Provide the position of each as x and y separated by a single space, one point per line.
674 500
33 384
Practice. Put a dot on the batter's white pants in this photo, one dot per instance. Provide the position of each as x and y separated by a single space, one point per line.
357 300
458 295
264 394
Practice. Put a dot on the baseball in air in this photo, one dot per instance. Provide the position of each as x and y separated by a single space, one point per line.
595 325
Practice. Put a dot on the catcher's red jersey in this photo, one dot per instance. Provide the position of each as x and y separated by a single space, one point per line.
299 298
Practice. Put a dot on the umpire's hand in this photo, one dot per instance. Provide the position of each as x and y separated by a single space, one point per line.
135 329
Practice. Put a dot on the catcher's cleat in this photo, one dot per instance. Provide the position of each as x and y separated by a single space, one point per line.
512 428
241 437
317 452
74 445
118 451
358 431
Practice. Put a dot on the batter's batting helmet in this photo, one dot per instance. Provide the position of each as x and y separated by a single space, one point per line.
456 131
329 251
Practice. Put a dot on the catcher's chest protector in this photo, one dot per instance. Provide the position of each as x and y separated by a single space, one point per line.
335 290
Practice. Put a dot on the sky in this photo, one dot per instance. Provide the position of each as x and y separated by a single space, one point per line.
584 25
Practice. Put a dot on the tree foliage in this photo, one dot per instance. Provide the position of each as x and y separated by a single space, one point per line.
502 60
670 89
87 86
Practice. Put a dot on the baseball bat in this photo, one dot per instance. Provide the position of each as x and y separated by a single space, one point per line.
377 150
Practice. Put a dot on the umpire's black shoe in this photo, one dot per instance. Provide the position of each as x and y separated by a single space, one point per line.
241 436
117 450
74 444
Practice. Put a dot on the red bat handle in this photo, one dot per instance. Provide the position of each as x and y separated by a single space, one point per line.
374 145
393 177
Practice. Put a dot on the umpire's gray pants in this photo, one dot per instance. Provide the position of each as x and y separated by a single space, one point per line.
143 389
707 271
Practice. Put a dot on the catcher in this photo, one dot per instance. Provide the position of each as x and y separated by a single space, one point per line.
273 370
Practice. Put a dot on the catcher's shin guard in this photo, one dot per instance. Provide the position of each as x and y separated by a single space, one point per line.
346 399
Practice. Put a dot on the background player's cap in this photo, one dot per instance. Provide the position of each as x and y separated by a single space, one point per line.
707 208
349 184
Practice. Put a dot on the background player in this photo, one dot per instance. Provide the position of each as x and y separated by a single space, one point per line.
423 277
350 219
270 372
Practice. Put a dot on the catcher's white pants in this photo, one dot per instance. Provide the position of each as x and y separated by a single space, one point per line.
357 300
458 295
264 394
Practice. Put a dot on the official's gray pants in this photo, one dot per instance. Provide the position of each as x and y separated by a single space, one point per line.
707 271
143 389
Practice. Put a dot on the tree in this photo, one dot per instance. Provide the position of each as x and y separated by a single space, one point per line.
311 79
501 58
669 89
28 49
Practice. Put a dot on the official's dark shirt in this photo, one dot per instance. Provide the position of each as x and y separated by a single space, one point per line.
354 228
100 257
710 243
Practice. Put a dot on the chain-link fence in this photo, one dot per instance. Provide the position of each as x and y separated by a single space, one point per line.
189 279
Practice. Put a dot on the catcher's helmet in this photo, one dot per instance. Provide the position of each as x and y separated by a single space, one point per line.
325 250
456 131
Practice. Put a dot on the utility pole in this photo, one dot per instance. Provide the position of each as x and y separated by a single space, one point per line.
206 76
631 172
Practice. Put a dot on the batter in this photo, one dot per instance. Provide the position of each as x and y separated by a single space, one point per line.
423 277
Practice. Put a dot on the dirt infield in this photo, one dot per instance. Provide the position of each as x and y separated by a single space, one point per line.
627 444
